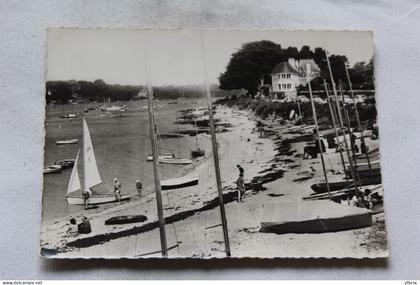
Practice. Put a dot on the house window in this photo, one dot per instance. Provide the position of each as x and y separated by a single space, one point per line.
278 76
280 87
289 86
284 86
288 75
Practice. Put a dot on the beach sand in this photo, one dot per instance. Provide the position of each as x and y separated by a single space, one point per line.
193 214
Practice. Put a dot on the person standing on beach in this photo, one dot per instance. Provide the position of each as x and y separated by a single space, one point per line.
117 189
139 187
241 187
241 170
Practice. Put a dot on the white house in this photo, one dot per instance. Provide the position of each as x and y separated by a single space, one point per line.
287 75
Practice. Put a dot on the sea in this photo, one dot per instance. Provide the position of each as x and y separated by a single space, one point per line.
121 145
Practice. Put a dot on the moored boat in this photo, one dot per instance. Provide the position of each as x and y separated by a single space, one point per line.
66 163
167 156
69 116
70 141
175 160
52 169
321 187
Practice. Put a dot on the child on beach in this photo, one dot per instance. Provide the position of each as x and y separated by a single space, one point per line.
241 187
117 189
139 187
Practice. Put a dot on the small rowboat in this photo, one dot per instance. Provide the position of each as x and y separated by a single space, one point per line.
315 217
71 141
66 163
69 116
197 152
168 156
52 169
180 182
175 160
119 220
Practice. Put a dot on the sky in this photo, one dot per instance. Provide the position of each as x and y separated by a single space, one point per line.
176 57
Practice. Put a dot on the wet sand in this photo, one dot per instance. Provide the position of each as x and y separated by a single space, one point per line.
192 212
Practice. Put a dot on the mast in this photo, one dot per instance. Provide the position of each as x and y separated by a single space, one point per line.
308 75
341 121
347 119
334 124
359 124
215 154
158 188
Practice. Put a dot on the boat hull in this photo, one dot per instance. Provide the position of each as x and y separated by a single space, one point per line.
52 169
64 142
95 199
319 225
178 183
335 186
175 161
120 220
197 152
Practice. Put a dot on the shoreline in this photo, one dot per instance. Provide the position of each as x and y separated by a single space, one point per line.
283 167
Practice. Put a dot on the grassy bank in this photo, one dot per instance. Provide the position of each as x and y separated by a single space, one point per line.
265 108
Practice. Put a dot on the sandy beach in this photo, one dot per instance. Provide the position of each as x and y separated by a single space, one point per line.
276 176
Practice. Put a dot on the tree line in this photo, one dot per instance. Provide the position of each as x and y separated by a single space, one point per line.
64 91
254 62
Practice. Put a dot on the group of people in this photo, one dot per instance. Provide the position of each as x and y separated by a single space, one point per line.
117 188
83 227
362 199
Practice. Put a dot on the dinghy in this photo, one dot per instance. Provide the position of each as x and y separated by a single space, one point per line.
71 141
168 156
66 163
314 217
69 116
175 160
52 169
179 182
119 220
197 152
92 177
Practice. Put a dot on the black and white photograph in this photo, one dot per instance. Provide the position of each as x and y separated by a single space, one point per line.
211 144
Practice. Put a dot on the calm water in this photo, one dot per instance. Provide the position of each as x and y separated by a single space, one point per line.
121 145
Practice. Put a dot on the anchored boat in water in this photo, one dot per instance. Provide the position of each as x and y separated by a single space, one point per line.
92 177
71 141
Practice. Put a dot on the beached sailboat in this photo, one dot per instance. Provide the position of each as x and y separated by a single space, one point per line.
315 217
92 177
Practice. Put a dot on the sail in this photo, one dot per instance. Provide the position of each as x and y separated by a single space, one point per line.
92 176
74 183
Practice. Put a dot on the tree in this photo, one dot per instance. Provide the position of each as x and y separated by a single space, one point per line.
253 62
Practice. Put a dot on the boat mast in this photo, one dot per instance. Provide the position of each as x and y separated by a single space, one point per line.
359 124
341 121
308 78
334 124
158 188
215 154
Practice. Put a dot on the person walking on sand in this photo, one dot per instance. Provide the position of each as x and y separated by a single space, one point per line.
139 187
117 189
241 170
241 187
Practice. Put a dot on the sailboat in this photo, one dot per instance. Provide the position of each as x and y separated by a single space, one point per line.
92 177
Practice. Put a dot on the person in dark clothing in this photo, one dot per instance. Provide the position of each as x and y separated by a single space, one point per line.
241 170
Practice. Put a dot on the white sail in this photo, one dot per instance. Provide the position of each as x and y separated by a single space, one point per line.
92 176
74 183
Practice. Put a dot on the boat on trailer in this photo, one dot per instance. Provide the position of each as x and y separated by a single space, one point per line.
315 217
179 182
92 178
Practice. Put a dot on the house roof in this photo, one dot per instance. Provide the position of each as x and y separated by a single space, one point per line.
284 67
314 66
